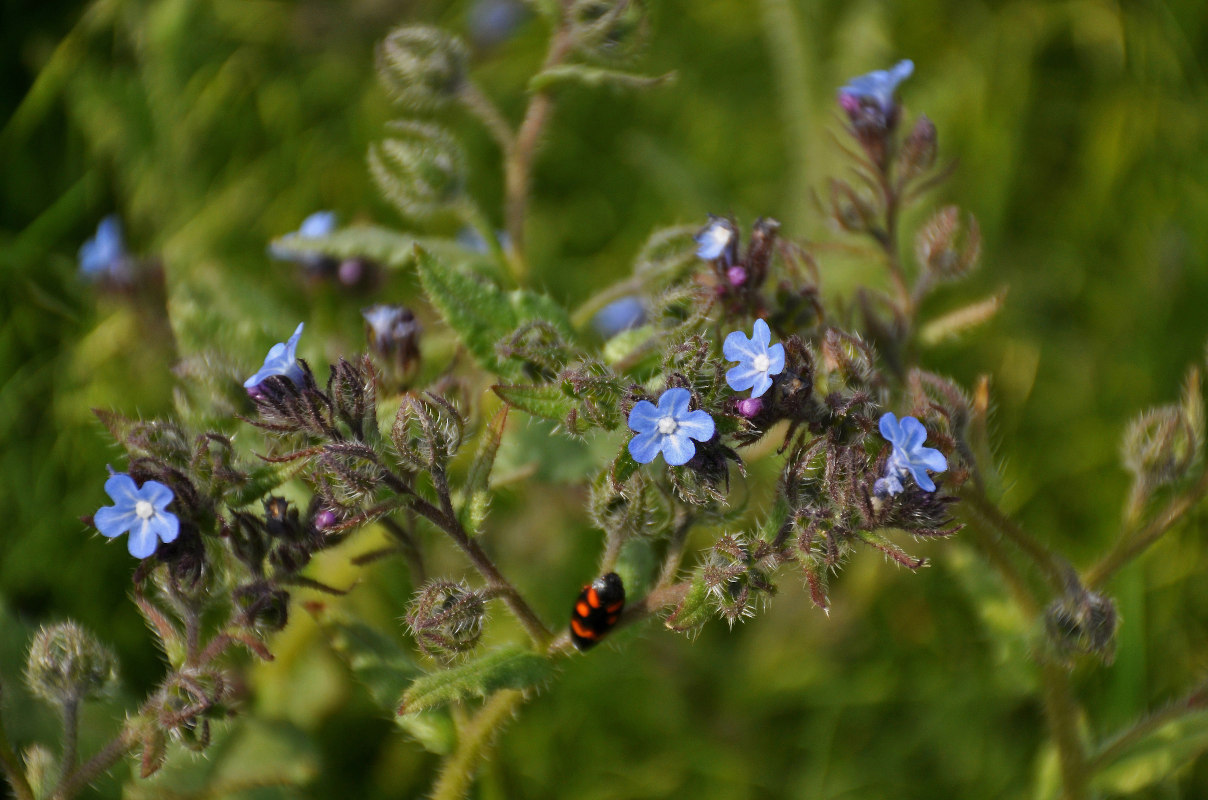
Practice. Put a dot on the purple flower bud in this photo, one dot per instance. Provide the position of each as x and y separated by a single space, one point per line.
750 407
351 271
325 519
737 276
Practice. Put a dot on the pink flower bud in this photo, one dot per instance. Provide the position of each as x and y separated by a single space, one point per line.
750 407
736 275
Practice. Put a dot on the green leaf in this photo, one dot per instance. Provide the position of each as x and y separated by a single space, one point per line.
546 400
956 323
510 667
382 245
693 611
1156 755
475 499
594 77
377 661
482 315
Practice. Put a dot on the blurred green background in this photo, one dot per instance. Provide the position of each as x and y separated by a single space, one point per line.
1081 130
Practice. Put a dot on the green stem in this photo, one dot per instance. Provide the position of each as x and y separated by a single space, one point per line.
787 50
1134 541
518 164
71 735
1119 744
457 772
97 765
10 764
488 113
992 517
1062 713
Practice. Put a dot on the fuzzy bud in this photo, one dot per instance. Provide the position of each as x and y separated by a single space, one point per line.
1082 623
393 334
607 29
1160 446
945 249
446 618
737 276
919 150
325 519
423 68
68 664
738 576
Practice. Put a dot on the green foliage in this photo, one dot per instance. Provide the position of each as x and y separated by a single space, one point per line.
507 667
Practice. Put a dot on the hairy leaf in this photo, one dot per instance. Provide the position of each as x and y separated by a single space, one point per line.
510 667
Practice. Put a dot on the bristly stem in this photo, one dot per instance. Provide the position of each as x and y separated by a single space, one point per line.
519 159
10 765
448 522
889 243
1133 542
488 113
71 735
991 516
1063 713
475 738
1119 744
96 766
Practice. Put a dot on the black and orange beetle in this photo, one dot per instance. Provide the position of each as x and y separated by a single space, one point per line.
597 610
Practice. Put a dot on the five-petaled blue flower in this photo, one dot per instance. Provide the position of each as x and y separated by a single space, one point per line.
140 511
104 254
877 87
282 359
757 362
718 239
316 226
668 429
909 457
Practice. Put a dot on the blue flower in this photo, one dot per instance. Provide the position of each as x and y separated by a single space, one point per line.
757 362
619 315
139 511
316 226
668 429
104 254
909 457
876 88
718 239
282 359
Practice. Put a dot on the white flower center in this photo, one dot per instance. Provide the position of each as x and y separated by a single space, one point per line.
144 509
667 425
761 362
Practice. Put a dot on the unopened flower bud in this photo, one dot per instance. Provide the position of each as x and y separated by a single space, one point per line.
737 276
421 66
262 607
1082 623
1160 446
919 150
945 248
68 664
446 618
607 28
393 333
750 407
325 519
738 575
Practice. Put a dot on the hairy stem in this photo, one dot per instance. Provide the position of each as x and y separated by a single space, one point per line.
10 764
457 772
1119 744
96 766
518 164
71 735
991 516
488 113
1134 541
496 582
1062 713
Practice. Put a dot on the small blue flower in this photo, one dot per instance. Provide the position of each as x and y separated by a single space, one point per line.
668 428
139 511
619 315
104 254
909 457
757 362
877 88
316 226
718 239
282 359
